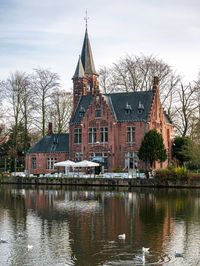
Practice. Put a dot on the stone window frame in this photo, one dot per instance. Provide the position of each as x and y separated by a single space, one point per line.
33 162
77 135
130 134
104 134
98 113
50 161
130 159
92 135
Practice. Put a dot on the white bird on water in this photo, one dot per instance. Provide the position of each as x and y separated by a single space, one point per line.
123 236
145 250
178 254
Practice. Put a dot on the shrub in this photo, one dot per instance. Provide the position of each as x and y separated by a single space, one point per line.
118 170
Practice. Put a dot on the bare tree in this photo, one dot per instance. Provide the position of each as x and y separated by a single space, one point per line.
135 73
185 109
61 110
44 82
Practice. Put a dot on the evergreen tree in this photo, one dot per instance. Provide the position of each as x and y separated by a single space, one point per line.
152 148
179 149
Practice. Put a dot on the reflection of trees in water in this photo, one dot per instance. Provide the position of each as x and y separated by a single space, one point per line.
146 216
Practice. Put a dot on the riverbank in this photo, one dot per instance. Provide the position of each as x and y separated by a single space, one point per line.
97 181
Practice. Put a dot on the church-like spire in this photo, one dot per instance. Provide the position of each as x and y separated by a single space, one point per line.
86 56
79 72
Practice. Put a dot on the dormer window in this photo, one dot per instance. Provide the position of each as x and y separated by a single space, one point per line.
128 108
81 111
140 108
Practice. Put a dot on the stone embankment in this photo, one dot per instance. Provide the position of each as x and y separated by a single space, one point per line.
121 182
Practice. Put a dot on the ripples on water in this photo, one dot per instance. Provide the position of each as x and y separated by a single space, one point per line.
81 227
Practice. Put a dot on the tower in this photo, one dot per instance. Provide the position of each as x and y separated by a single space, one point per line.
85 76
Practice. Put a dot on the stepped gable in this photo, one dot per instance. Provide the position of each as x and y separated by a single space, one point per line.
81 108
52 143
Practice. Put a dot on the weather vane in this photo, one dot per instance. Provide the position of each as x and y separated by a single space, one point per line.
86 18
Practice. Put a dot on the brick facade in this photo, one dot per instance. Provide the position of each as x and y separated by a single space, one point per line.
41 165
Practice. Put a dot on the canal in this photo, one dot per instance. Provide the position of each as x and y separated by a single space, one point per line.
80 226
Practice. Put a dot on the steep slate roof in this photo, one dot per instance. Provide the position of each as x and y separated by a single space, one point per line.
86 56
81 106
52 143
118 103
79 72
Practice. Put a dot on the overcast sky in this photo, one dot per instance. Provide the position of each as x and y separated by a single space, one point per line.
49 34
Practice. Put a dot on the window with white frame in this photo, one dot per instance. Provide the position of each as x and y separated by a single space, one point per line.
50 162
77 135
131 160
130 134
33 162
92 135
104 134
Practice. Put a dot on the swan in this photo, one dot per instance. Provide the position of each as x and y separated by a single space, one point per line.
29 247
123 236
145 249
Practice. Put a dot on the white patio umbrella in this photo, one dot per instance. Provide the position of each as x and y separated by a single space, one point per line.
85 163
67 164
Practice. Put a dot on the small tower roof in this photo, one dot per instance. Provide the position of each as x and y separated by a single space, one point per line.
86 56
79 72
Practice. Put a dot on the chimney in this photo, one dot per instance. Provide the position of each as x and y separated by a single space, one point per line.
155 83
50 131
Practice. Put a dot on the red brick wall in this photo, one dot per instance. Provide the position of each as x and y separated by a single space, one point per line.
117 132
41 162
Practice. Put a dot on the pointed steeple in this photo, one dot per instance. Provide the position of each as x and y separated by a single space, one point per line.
86 56
79 72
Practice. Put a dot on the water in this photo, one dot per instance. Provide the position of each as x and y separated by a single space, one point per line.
68 226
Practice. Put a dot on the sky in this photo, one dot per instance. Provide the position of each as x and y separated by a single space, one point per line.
49 34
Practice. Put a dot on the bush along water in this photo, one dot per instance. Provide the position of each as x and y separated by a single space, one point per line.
174 173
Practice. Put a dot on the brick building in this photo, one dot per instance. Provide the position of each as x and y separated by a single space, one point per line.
109 127
112 126
50 149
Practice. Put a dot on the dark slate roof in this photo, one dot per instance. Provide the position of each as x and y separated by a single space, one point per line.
121 101
79 72
81 108
118 103
86 56
167 118
53 143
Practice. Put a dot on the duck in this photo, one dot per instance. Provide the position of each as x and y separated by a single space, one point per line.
178 254
123 236
20 234
3 241
142 259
